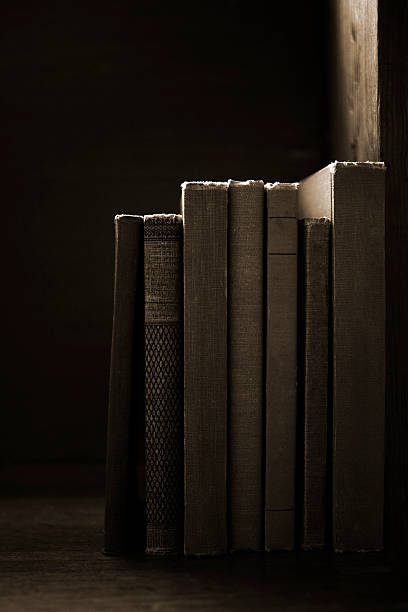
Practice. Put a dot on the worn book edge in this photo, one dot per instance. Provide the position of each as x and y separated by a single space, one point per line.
137 218
249 182
169 216
284 186
316 190
204 185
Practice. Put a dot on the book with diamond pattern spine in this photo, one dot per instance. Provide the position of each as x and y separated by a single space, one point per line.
163 383
124 505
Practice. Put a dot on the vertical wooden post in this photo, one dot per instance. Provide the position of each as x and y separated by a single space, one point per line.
369 120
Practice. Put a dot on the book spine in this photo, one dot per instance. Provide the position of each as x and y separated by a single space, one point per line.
358 356
123 509
313 376
245 363
204 207
281 362
163 383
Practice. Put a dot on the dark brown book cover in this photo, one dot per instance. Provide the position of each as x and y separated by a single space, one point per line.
204 208
351 194
246 212
281 363
163 383
313 377
124 507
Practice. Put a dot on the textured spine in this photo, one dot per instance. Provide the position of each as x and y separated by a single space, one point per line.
351 194
123 511
163 383
245 363
281 362
359 356
314 263
204 207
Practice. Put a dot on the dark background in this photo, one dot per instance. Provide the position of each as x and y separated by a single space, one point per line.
107 108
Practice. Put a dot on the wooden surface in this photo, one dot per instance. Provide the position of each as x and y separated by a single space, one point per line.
352 73
51 560
382 73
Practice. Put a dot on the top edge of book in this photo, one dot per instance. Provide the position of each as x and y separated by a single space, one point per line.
168 217
249 182
378 165
332 168
348 165
204 185
138 218
316 191
277 185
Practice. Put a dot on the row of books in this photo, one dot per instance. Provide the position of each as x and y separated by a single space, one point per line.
247 384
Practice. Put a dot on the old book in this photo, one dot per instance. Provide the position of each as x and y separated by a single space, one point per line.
164 383
204 208
281 363
352 195
313 380
245 363
124 507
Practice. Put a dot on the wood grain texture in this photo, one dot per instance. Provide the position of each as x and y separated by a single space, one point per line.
281 363
355 94
124 457
246 212
205 217
50 560
313 378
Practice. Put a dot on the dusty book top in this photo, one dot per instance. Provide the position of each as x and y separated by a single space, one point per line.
353 164
163 218
316 191
204 185
162 227
127 217
210 191
248 183
281 201
277 185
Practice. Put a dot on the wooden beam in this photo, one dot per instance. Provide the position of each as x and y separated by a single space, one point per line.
355 116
